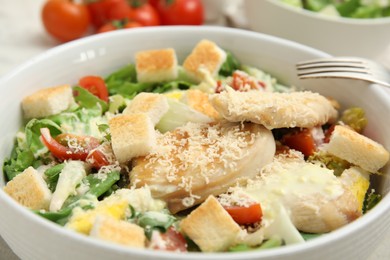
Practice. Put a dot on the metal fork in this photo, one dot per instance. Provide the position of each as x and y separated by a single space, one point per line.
344 67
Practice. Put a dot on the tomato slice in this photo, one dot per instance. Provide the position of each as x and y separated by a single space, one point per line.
96 86
60 151
302 141
97 159
171 240
77 142
245 215
328 133
74 147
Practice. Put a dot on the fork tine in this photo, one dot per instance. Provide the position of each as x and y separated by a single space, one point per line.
345 75
332 69
344 67
331 64
340 60
334 75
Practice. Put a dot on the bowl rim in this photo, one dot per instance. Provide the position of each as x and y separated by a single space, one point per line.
338 234
334 19
316 243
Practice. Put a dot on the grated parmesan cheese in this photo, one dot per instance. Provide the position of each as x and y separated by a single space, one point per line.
200 156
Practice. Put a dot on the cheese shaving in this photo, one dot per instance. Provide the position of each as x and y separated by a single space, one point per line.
205 149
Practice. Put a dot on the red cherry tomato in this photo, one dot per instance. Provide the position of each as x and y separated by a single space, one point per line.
108 27
118 11
104 11
245 215
144 14
132 24
181 12
174 241
79 151
74 147
116 25
96 86
97 159
85 142
65 20
302 141
153 3
328 133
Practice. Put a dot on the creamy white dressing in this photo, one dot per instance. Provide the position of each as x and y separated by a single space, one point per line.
70 177
301 180
140 199
275 190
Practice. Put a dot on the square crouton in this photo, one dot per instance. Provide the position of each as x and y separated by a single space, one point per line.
210 226
199 101
207 56
357 149
118 231
131 136
48 101
29 189
156 65
154 105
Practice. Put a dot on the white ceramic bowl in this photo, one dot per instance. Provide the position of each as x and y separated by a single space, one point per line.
367 38
32 237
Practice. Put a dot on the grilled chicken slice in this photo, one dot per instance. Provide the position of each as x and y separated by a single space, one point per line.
198 160
317 200
274 110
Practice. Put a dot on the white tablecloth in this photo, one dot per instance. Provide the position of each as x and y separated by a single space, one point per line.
22 36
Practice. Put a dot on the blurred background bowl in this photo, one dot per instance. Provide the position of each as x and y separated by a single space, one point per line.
340 36
32 237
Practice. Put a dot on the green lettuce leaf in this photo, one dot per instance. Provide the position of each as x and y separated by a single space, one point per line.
88 100
229 66
52 175
347 8
81 121
315 5
33 134
18 162
124 82
179 114
98 186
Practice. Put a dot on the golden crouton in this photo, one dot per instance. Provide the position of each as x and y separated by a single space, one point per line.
48 101
118 231
211 227
156 65
29 189
131 135
199 101
357 149
154 105
207 56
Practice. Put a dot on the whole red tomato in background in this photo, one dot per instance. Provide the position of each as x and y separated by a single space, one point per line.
108 27
181 12
153 3
65 20
143 13
104 11
118 24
